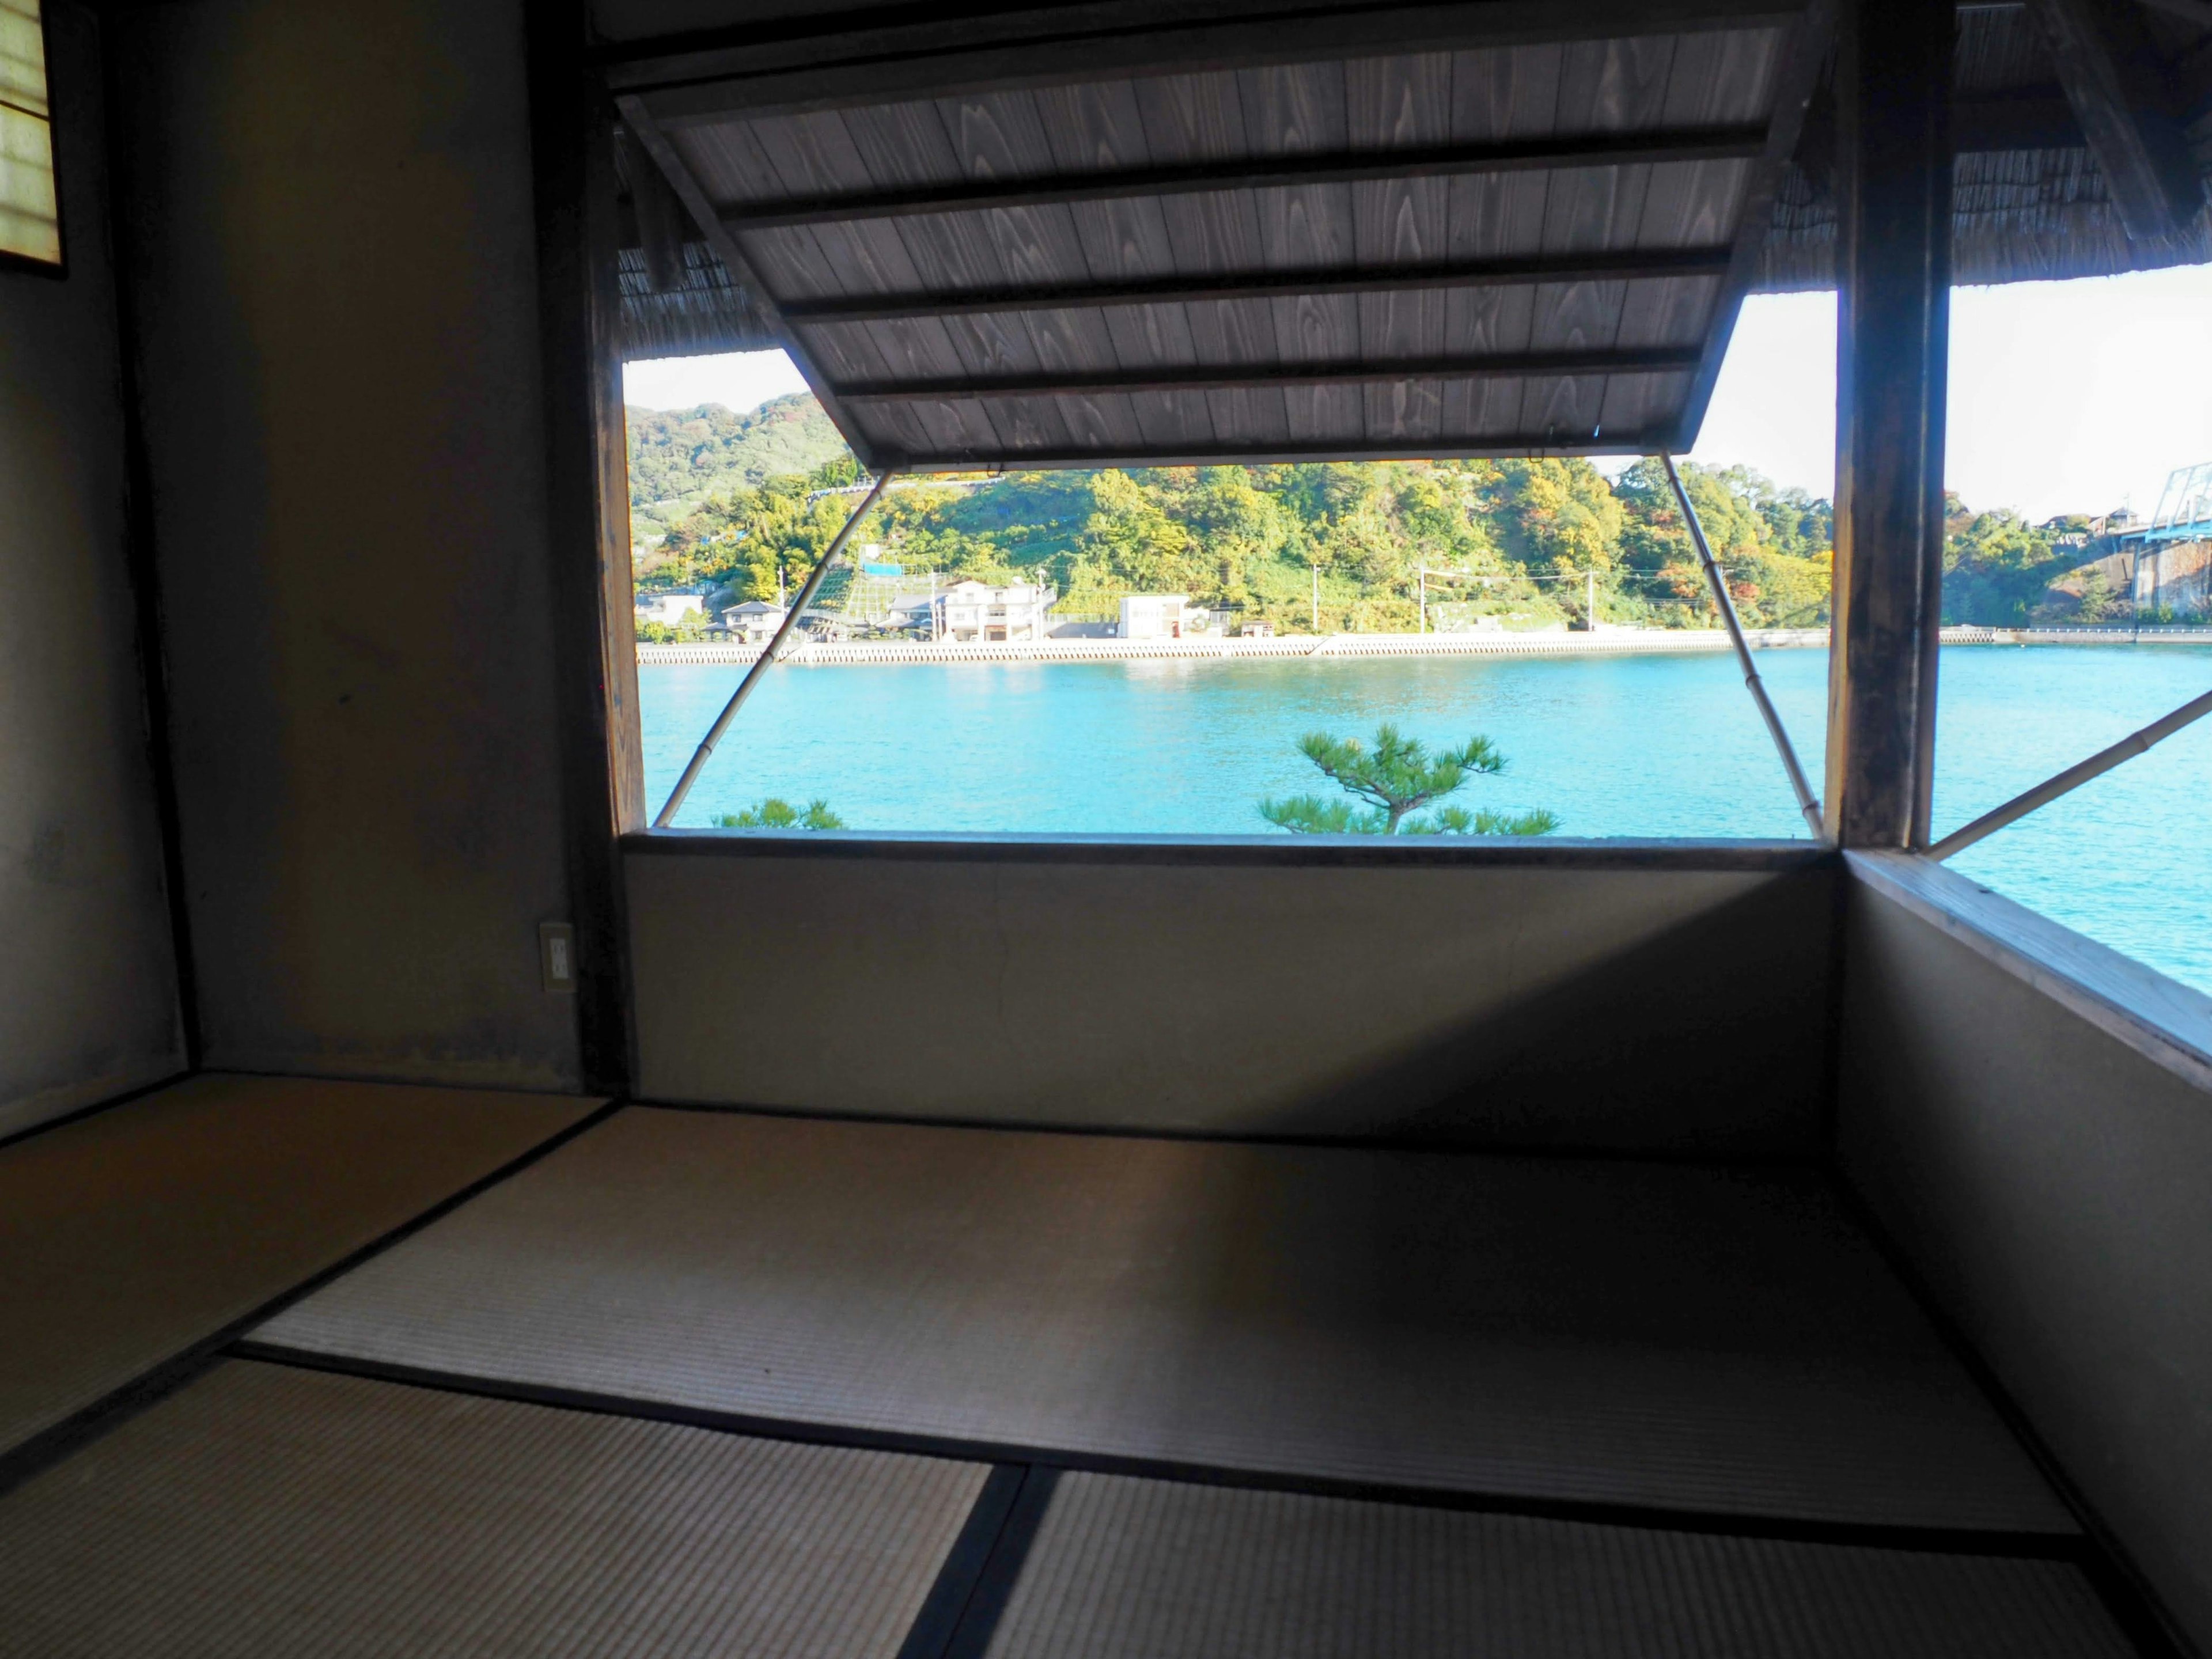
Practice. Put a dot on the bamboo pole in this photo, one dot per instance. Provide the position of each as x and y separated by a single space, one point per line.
1807 803
2072 778
761 663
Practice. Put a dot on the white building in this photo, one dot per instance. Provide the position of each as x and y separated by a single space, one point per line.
755 621
973 612
1156 616
669 607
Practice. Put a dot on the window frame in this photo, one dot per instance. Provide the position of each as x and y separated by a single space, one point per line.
58 268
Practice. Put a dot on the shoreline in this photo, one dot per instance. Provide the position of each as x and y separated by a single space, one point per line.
1294 647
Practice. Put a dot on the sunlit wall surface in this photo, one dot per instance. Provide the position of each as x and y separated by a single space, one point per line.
30 219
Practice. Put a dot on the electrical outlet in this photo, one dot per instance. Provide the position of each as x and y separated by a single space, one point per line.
556 955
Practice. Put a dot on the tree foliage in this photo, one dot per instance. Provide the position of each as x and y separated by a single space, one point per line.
1391 782
1998 569
776 813
1504 542
680 459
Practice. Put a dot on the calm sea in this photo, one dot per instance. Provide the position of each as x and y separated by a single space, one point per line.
1617 746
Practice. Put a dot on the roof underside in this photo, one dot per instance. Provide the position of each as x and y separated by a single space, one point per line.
1129 231
1472 228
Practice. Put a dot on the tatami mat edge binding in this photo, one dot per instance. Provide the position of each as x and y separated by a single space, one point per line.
134 1242
1654 1338
2010 1544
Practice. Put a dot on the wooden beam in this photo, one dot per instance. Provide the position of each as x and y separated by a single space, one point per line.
1226 377
817 60
1256 173
661 223
1274 285
1893 163
588 500
1798 75
1519 447
647 132
2125 99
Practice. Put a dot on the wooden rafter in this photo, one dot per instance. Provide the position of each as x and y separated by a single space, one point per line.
1517 446
1260 173
1520 365
2124 101
1272 284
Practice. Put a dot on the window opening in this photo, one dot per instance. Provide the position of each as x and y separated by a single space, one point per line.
30 210
2072 746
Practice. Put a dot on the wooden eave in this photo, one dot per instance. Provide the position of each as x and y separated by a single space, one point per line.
1129 231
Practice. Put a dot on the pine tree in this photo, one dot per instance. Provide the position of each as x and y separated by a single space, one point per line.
1395 780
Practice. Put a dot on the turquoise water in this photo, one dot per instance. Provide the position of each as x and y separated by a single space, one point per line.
1617 746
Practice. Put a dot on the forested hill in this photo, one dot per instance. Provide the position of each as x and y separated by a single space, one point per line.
1350 547
720 501
679 458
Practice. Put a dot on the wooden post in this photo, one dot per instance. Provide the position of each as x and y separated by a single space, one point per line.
1892 321
603 779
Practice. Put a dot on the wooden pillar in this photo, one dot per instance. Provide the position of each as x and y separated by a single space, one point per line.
588 518
1893 322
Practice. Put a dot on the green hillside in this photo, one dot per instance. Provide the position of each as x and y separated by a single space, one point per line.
720 501
679 458
1350 547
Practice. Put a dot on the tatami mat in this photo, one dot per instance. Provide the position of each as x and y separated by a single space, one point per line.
1125 1569
130 1236
264 1510
1700 1338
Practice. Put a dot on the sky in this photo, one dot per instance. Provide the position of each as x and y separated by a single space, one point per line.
2065 397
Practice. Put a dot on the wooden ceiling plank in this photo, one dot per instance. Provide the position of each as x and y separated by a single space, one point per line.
1235 170
1098 127
803 65
1499 95
1199 120
1299 110
1005 134
1724 76
2123 96
928 252
1400 103
866 257
893 144
1488 216
1609 84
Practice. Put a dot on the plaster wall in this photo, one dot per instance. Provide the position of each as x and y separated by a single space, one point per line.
2029 1117
1583 1001
87 986
332 256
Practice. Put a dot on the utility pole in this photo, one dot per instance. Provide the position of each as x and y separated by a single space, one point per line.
1424 599
1589 599
1316 599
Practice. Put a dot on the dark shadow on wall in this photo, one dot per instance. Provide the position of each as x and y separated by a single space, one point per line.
1708 1040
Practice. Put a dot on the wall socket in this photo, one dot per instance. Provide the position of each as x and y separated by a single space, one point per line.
556 955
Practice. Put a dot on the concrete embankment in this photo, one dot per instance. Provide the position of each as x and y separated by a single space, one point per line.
1296 646
1604 643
